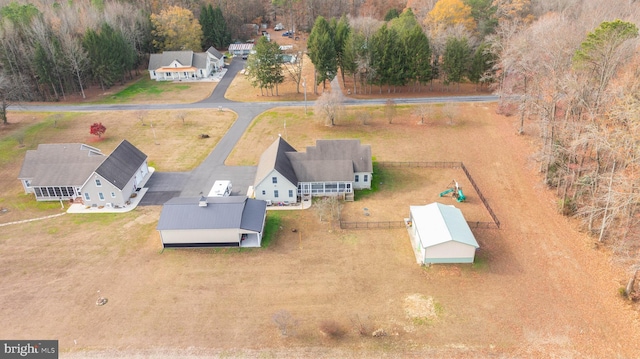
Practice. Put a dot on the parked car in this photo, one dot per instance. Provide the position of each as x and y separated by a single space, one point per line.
286 33
278 27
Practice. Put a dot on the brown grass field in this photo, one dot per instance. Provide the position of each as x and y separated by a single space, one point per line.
539 288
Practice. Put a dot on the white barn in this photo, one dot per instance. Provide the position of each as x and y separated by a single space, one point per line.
440 234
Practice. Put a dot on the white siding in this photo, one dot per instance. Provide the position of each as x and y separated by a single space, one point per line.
200 236
362 184
447 252
283 186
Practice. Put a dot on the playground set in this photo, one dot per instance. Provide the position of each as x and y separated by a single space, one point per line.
455 190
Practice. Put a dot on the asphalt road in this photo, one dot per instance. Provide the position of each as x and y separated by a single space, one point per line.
166 185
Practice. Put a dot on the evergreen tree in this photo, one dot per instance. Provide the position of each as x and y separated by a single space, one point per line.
222 35
456 58
418 56
391 14
264 67
342 31
110 55
322 50
208 26
481 64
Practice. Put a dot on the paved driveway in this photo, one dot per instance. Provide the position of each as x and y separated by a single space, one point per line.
164 185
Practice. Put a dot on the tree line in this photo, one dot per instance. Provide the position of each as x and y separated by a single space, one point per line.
570 78
394 54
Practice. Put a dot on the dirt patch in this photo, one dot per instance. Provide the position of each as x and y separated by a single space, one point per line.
420 307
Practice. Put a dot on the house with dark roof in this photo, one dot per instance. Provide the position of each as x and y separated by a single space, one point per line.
117 178
78 172
234 221
55 172
330 168
184 65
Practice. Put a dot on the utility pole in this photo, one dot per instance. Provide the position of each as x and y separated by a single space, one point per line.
304 85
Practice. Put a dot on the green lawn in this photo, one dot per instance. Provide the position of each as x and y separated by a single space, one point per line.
144 87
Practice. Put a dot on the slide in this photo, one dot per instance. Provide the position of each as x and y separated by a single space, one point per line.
461 196
446 192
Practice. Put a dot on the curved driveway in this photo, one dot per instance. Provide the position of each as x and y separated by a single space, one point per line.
166 185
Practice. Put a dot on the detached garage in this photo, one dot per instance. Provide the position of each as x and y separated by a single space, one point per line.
212 222
440 234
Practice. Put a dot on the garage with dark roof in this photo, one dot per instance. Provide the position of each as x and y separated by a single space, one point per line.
234 221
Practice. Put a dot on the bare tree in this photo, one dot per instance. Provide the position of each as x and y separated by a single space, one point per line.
364 117
285 322
140 115
181 115
9 93
330 105
390 110
294 69
450 112
423 111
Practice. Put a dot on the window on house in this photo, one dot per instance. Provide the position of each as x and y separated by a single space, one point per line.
264 192
98 183
357 178
27 183
290 193
38 192
274 179
101 196
113 195
275 193
87 197
366 178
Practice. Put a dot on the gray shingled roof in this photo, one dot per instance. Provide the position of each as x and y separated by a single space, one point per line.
275 157
343 149
157 61
220 213
122 164
214 52
64 164
320 170
200 60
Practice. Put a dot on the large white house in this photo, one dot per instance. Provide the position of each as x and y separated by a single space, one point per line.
330 168
81 173
184 65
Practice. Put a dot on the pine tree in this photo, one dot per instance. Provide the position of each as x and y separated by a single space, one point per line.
455 62
322 51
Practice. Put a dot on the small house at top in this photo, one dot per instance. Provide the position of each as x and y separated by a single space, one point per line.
240 49
184 65
440 234
330 168
234 221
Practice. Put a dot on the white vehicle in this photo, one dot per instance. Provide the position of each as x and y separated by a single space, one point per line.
279 27
220 189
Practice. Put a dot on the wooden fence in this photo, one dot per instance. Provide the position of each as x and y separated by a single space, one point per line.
421 164
484 200
398 224
401 224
